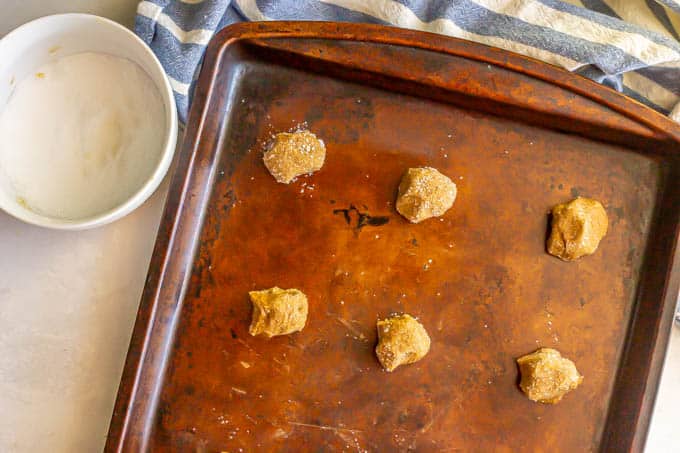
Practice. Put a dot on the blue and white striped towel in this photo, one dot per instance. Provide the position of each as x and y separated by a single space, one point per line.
630 45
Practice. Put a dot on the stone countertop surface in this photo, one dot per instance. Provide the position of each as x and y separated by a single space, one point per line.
68 302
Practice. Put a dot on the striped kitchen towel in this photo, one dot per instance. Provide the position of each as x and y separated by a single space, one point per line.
630 45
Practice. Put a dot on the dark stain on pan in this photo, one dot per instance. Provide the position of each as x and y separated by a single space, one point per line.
362 218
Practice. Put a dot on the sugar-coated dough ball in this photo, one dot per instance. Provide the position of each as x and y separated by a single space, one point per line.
278 311
547 376
294 154
401 340
577 228
423 193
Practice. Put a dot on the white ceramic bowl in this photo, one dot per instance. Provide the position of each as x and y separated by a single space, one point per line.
31 45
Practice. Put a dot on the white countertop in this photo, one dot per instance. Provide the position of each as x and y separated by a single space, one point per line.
68 302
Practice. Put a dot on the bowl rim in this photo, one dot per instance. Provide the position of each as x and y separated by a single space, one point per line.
167 148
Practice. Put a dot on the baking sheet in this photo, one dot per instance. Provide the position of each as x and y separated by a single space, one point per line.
478 278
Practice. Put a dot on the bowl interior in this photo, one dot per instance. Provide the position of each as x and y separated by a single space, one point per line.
52 37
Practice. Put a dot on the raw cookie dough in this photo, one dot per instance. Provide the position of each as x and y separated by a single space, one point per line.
424 193
401 340
294 154
547 376
577 228
278 311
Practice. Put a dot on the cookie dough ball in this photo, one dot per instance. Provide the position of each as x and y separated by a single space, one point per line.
424 193
294 154
547 376
277 311
401 340
577 228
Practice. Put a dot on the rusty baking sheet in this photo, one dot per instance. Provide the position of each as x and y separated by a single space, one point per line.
517 137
